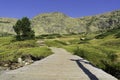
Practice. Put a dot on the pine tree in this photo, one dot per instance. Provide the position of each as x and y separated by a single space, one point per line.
23 29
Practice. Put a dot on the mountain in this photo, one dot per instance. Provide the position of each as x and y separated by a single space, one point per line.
57 22
60 23
6 25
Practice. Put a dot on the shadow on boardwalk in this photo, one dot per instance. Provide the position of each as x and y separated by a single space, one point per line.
86 71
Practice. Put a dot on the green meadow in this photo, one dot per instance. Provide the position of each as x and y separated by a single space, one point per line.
11 50
102 50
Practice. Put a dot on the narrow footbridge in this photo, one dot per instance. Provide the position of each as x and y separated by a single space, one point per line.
60 66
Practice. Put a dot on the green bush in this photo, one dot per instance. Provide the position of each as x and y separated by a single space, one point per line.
107 33
112 67
112 44
101 36
112 56
81 52
49 36
117 35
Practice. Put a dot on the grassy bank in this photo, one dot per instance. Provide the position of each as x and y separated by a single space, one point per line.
103 53
11 50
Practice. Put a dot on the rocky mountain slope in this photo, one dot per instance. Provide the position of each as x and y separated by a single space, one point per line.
6 25
60 23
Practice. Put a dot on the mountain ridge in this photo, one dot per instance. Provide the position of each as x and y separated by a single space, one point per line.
59 23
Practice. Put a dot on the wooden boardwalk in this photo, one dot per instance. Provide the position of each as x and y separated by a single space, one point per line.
60 66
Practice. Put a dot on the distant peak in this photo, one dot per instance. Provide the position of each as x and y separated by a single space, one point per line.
51 14
59 13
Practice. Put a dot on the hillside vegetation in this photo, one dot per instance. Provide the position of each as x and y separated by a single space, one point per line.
95 38
59 23
102 50
11 50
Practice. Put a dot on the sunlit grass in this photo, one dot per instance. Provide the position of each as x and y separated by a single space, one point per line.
103 53
10 49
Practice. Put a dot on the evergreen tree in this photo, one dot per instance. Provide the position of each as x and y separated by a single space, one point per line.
23 29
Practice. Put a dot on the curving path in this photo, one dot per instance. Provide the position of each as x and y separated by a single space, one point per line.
60 66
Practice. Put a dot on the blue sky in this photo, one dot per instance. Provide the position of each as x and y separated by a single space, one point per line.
72 8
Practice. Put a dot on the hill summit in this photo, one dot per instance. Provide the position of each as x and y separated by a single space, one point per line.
59 23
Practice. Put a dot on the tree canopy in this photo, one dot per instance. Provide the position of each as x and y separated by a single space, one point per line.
23 29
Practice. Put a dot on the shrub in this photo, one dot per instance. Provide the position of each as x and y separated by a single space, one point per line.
101 36
112 68
23 29
117 35
80 52
112 56
49 36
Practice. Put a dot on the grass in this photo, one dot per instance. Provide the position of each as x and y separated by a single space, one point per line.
36 51
11 50
102 52
55 43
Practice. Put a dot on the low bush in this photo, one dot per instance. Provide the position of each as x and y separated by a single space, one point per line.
101 36
49 36
81 52
112 67
112 43
117 35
